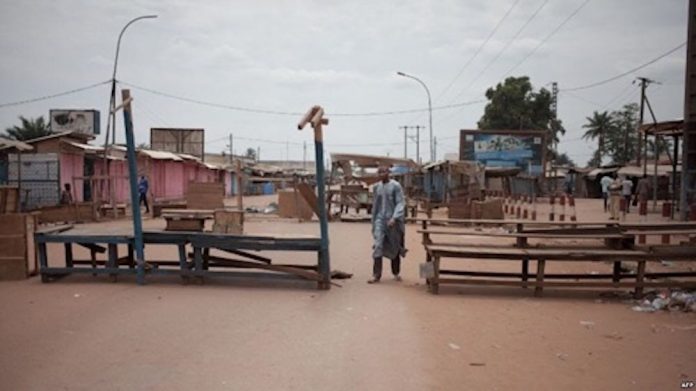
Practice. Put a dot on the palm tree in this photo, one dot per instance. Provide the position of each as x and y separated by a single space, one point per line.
30 129
597 127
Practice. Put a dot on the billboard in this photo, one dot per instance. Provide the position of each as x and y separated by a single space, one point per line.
505 149
178 140
79 120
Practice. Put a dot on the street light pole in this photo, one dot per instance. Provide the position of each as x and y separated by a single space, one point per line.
430 111
111 122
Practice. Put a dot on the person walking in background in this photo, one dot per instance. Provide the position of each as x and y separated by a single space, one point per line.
388 225
643 190
605 182
615 198
66 197
626 191
143 187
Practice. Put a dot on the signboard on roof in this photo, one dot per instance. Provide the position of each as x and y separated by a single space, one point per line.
179 140
505 149
77 120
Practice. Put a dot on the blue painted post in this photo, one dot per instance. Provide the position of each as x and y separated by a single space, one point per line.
133 176
323 223
315 116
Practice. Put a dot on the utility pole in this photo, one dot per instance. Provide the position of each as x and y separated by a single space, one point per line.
304 155
642 141
258 154
434 149
405 128
418 159
231 149
552 141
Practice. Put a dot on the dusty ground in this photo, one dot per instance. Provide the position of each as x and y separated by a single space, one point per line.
87 333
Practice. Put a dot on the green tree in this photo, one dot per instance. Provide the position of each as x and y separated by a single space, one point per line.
622 139
29 129
598 127
514 104
564 160
251 153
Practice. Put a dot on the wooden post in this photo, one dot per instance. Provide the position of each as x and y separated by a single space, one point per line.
640 277
133 174
315 116
541 265
525 271
238 174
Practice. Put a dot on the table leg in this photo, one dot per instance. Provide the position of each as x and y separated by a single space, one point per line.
131 256
183 264
617 271
113 260
541 265
640 277
68 255
93 258
525 271
198 263
434 283
43 261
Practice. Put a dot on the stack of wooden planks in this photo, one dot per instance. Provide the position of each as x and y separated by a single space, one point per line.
9 199
17 250
205 195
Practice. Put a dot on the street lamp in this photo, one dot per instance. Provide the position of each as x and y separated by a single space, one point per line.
430 111
111 122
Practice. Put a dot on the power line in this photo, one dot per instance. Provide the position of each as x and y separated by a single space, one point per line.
551 34
46 97
479 49
289 113
507 45
654 60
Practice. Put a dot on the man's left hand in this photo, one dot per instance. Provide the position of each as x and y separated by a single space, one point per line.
390 223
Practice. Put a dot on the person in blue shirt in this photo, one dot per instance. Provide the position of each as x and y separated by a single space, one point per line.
143 187
606 181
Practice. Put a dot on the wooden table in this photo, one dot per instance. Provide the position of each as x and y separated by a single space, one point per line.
186 219
198 263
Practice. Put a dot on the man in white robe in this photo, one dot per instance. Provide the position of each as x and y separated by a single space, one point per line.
388 225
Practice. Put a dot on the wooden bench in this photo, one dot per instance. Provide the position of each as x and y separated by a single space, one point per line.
186 219
522 238
107 210
435 252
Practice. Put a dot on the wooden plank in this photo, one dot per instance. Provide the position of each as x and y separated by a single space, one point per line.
185 224
566 276
310 198
554 254
302 272
527 234
570 284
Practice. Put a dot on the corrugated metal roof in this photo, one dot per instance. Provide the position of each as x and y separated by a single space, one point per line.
160 155
85 147
6 143
635 171
601 170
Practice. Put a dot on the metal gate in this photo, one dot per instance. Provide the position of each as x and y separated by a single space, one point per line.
40 179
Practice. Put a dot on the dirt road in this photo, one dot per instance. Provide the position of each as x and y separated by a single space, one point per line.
85 333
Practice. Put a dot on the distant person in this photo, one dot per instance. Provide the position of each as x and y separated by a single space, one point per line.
626 191
143 187
605 182
615 198
388 225
569 183
66 195
643 190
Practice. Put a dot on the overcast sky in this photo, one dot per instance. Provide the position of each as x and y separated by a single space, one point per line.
289 55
